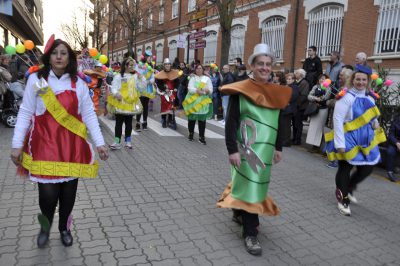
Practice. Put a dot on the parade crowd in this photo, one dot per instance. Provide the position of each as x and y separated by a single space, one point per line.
262 111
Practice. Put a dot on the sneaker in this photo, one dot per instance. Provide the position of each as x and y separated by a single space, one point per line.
144 126
344 209
202 141
115 146
252 245
216 117
391 176
137 127
222 122
333 164
352 198
128 145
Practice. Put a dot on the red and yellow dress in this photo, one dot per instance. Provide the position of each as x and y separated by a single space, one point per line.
54 118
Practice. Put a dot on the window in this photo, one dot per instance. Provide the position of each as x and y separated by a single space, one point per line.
161 15
105 37
150 20
210 51
159 54
140 24
173 50
175 8
191 5
325 29
121 34
387 40
138 52
148 48
237 42
273 34
126 32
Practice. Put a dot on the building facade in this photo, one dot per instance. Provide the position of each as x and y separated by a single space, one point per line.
288 26
25 23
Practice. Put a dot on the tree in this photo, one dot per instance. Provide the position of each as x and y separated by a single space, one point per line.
76 33
100 24
226 10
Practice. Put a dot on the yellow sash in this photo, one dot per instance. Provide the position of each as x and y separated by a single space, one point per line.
50 168
61 115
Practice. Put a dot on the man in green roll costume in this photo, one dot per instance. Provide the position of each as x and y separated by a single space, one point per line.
253 143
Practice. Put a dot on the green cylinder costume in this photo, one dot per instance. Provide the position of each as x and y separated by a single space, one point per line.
248 185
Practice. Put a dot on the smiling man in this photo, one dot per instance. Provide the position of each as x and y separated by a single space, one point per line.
252 122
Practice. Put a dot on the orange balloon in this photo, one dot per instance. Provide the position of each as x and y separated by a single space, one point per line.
29 45
93 52
329 81
374 76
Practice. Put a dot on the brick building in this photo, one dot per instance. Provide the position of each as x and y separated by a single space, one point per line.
24 24
289 26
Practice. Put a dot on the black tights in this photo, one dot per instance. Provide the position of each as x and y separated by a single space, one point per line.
50 194
119 120
145 104
202 127
346 183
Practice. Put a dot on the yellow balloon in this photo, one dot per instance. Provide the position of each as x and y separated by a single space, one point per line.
103 59
20 48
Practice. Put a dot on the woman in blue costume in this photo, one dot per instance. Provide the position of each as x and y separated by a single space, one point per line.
355 138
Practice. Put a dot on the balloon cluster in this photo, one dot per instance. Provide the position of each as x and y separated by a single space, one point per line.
214 66
326 84
379 81
20 48
95 54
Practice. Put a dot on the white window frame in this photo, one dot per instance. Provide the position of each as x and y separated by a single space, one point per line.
191 5
236 49
387 39
161 15
210 51
139 51
150 20
273 34
173 50
325 25
174 9
159 53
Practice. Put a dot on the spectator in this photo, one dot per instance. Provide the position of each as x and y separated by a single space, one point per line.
237 62
183 83
302 102
393 147
176 63
5 75
279 78
216 81
320 95
286 115
242 74
313 66
227 79
361 58
334 67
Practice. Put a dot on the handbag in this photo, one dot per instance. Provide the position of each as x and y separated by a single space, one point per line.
312 109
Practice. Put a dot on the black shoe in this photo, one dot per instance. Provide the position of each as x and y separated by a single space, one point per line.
190 138
202 141
164 124
237 218
137 127
172 125
391 176
144 126
43 238
66 238
253 245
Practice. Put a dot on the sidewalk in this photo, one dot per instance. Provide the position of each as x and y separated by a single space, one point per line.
155 205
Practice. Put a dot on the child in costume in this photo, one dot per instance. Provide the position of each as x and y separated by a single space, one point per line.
148 92
50 138
124 98
252 124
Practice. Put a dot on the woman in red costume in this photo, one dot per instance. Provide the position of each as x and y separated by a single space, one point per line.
50 139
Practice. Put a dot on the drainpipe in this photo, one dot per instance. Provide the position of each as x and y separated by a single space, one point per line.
296 18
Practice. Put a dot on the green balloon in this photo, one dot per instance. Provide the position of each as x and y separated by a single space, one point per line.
10 50
97 56
379 81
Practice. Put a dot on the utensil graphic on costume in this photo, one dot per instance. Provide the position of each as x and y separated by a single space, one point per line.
245 147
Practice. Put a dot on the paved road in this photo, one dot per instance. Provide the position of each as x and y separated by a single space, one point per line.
155 205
